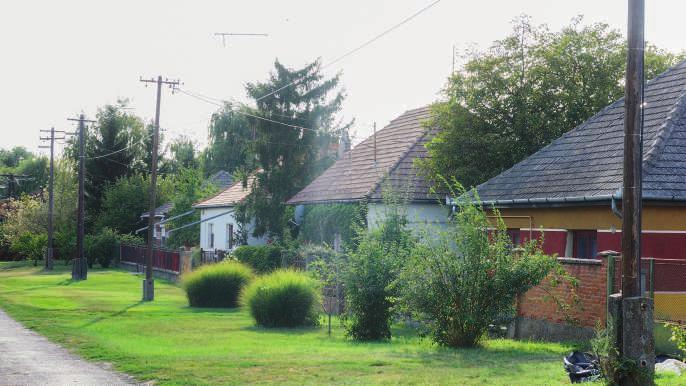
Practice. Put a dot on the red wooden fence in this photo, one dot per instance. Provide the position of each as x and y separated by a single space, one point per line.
161 258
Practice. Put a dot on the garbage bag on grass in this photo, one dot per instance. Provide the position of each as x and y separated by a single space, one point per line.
582 367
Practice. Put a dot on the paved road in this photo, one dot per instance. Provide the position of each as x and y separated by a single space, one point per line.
27 358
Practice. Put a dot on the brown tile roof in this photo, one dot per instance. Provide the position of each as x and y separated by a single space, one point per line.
229 196
353 177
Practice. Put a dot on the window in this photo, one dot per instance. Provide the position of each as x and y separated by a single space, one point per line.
514 236
585 244
210 235
229 236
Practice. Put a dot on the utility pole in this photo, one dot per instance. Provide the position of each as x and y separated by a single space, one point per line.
149 283
51 202
374 136
635 312
80 267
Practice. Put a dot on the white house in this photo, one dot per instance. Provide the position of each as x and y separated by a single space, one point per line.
384 160
218 227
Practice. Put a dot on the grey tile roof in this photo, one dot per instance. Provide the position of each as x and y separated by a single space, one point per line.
161 210
586 162
354 177
222 179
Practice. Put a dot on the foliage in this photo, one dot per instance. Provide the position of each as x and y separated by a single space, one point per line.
189 187
125 200
30 246
101 247
525 91
679 336
230 140
262 258
115 147
288 157
20 161
617 370
182 155
467 277
329 267
373 268
321 222
216 285
283 298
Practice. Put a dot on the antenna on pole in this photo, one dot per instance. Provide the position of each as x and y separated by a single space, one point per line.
225 35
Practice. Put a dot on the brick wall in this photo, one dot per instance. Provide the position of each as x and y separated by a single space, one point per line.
591 275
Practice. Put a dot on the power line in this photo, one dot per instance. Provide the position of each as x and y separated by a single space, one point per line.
358 48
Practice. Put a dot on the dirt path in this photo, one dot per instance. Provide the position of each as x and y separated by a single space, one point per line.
27 358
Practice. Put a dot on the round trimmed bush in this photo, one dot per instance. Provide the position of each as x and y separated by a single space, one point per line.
217 285
283 298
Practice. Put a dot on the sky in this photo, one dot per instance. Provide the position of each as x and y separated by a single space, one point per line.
62 58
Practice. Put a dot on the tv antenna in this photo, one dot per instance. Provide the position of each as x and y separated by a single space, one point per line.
226 35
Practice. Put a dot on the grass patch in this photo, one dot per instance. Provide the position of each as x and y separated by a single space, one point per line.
167 341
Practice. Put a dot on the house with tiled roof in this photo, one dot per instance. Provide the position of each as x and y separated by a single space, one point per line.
385 160
571 191
219 229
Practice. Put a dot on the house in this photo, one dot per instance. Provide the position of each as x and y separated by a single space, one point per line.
384 160
161 213
219 229
221 179
571 189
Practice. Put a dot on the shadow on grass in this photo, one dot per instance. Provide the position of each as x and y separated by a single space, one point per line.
282 330
112 315
210 310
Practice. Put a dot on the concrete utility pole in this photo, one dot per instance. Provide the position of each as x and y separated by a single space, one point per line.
80 268
635 314
51 184
149 283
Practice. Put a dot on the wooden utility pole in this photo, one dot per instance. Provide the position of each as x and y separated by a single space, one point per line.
149 283
51 203
633 317
12 182
80 268
633 154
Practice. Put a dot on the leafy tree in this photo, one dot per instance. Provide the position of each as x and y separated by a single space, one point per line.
525 91
230 142
189 187
116 146
11 158
20 161
125 200
290 157
182 155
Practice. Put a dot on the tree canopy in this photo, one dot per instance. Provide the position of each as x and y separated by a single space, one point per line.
294 141
526 90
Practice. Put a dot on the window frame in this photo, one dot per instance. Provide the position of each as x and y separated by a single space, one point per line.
585 235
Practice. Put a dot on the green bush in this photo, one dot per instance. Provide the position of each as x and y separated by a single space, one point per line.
101 247
216 285
30 246
467 277
283 298
262 258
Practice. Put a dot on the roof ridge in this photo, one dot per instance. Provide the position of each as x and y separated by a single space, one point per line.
665 130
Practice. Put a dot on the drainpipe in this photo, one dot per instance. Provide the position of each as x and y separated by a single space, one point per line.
613 204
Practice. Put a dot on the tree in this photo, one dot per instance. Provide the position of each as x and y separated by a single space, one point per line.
525 91
182 155
116 146
189 187
20 161
290 157
230 142
122 204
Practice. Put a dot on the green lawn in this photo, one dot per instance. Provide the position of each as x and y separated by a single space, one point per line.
167 341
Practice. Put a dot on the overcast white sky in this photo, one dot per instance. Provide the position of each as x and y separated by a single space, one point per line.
60 58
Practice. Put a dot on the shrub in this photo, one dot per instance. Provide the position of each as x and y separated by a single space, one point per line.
679 336
467 277
101 247
216 285
262 258
373 269
283 298
30 246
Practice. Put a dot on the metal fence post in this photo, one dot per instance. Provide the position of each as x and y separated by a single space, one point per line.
651 272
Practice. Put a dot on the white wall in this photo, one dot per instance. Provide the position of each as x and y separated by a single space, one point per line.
419 216
219 226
